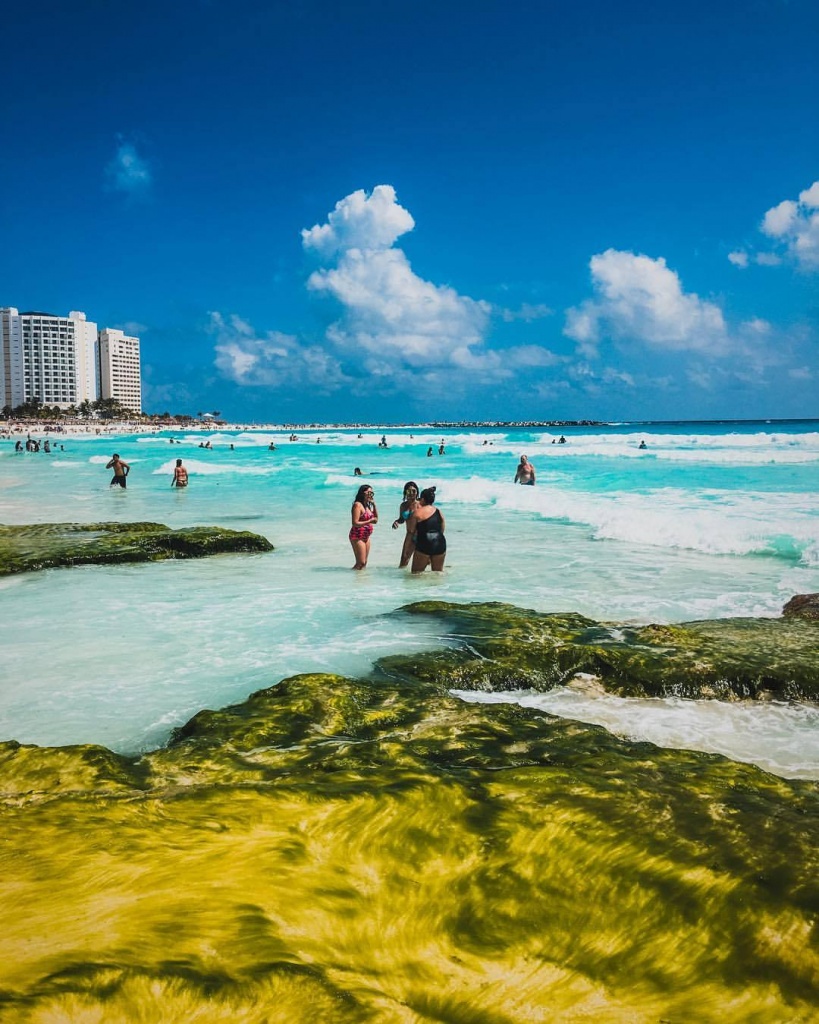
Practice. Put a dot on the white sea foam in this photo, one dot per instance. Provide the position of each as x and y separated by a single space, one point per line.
714 522
733 449
105 459
782 738
197 467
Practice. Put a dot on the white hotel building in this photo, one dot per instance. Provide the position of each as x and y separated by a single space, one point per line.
64 361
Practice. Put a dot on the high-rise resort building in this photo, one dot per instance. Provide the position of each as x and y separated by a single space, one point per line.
120 376
63 361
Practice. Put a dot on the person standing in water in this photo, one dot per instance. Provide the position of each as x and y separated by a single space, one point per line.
364 517
408 505
180 475
121 470
525 473
428 525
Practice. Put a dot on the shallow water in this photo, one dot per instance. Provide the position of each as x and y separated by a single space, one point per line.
709 521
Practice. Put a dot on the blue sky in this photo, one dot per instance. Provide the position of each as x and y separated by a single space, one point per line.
389 212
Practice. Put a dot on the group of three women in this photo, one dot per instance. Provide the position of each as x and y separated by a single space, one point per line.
424 540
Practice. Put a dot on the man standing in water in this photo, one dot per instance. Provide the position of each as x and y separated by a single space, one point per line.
525 473
121 470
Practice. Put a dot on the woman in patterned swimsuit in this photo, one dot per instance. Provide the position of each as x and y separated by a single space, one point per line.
365 516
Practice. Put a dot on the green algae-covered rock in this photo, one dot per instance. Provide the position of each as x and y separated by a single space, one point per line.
49 545
500 647
374 850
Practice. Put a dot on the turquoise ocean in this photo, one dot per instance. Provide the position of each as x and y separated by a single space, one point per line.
709 520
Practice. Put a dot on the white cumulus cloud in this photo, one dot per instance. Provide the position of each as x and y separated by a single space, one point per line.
637 298
272 360
388 311
794 223
127 171
414 337
360 221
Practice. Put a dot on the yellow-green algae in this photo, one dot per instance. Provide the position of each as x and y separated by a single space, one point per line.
51 545
337 850
500 647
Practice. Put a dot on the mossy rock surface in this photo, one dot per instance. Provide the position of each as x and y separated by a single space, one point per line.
500 647
375 850
53 545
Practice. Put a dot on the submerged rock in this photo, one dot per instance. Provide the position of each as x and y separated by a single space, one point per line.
374 850
50 545
499 647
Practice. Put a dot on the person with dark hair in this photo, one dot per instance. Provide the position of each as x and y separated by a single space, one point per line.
408 505
364 516
428 525
180 475
121 470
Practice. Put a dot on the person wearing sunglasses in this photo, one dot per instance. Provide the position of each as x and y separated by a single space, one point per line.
408 505
364 516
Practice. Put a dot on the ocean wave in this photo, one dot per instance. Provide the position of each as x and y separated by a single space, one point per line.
105 459
735 449
196 467
713 522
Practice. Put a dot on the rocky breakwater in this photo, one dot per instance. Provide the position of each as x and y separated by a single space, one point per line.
375 850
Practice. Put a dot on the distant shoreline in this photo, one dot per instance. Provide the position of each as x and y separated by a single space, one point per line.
99 428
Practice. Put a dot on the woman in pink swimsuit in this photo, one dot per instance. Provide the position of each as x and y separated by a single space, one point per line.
365 516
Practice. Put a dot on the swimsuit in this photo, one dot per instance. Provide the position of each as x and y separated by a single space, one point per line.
118 480
429 536
364 529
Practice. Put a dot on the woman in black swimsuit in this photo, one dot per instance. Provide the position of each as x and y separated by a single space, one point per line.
428 525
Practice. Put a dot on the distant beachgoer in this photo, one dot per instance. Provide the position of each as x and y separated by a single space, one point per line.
19 446
357 471
643 444
383 441
121 470
561 440
429 452
427 525
271 447
47 446
364 517
180 475
232 448
441 449
525 473
405 510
